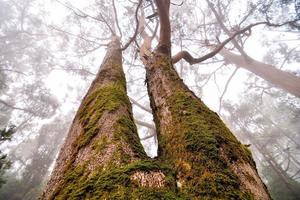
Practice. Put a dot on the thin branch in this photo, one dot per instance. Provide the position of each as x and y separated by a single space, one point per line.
148 137
145 124
136 28
15 71
17 108
211 74
140 105
287 57
82 14
74 35
116 18
226 87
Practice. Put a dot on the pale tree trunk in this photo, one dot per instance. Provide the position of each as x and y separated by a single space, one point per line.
209 162
102 157
277 77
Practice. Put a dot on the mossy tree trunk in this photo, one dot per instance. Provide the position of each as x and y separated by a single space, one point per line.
102 157
209 161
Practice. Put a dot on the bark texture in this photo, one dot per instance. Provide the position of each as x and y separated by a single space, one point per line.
209 162
102 157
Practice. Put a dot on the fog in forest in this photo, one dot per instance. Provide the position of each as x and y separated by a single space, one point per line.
51 51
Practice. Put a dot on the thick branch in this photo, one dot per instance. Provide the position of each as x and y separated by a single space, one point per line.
191 60
164 44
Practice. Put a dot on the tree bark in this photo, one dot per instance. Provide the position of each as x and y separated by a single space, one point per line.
102 157
277 77
209 162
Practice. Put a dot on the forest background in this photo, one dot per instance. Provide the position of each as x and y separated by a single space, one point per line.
51 51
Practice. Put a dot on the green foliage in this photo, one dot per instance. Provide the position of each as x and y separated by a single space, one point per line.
5 134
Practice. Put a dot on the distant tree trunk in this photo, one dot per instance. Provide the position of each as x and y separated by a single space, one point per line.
277 77
102 157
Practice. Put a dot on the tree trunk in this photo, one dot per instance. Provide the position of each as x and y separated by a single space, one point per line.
102 157
208 160
277 77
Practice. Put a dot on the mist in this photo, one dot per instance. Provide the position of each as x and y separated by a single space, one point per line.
243 62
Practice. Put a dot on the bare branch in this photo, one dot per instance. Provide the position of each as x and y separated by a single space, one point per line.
136 28
82 14
17 108
15 71
145 124
191 60
148 137
226 87
140 105
78 36
116 18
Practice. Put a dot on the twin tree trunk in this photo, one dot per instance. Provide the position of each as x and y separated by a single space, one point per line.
102 157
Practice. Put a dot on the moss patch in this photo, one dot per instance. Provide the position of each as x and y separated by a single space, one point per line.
115 183
107 98
194 146
125 129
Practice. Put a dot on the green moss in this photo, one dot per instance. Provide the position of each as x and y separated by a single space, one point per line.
107 98
115 183
125 129
197 156
100 144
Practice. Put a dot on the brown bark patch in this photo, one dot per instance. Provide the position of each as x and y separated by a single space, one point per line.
149 179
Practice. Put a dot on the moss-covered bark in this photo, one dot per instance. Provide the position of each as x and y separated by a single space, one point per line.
209 162
102 157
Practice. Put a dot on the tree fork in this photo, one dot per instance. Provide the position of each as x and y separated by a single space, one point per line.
102 157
